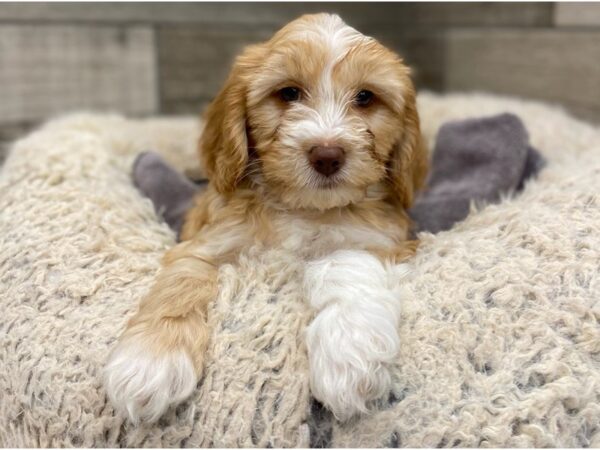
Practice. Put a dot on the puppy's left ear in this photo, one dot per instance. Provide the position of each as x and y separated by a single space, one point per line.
224 144
409 160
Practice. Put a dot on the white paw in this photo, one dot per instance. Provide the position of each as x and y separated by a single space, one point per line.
144 385
354 337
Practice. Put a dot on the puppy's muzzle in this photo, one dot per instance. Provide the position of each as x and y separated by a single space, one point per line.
326 160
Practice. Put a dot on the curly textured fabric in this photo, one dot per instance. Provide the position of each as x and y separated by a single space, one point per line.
499 329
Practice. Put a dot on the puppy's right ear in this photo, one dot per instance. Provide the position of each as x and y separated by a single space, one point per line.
409 159
224 144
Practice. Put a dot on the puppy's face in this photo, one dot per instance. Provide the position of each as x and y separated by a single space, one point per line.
319 116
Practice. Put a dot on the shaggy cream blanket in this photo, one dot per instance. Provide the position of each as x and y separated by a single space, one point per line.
500 325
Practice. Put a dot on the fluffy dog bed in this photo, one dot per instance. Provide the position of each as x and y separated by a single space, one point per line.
500 325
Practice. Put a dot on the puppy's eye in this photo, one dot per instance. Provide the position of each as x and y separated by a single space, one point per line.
364 98
289 94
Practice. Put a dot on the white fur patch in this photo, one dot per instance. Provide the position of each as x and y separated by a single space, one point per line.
311 240
354 336
142 385
326 120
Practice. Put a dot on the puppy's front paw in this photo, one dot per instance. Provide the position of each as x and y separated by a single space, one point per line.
348 360
144 385
354 336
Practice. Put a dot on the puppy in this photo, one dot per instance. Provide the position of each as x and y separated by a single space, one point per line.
312 146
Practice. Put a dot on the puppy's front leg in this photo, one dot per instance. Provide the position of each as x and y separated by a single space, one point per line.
160 356
353 336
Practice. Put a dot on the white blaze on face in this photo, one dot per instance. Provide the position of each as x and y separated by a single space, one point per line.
339 39
325 122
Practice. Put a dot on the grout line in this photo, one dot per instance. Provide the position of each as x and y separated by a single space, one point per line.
158 100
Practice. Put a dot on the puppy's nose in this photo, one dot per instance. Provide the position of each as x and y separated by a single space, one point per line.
327 160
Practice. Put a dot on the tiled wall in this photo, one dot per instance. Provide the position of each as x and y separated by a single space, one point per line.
145 59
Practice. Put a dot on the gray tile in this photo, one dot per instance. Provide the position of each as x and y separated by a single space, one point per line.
558 66
277 13
50 69
194 61
577 14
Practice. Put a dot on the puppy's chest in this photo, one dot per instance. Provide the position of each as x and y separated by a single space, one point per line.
313 238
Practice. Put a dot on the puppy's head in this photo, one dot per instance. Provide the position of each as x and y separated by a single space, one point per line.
319 116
